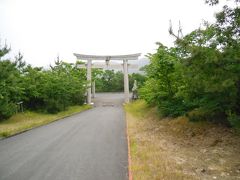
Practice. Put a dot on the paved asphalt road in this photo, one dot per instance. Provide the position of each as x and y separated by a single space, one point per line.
88 146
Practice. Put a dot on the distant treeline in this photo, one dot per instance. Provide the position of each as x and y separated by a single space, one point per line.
111 81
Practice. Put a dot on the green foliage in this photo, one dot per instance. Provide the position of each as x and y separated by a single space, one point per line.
111 81
62 86
200 75
214 2
55 89
164 81
140 78
234 120
10 85
51 90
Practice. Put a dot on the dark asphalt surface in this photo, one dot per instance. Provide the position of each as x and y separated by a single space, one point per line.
91 145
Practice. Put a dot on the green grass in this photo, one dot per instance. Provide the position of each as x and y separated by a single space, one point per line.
138 108
141 110
28 120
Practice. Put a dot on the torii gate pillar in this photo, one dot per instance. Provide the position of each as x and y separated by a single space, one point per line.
93 89
89 78
126 82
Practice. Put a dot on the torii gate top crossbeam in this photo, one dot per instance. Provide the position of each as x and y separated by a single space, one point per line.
115 57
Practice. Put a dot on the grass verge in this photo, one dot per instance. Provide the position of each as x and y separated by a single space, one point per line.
28 120
165 148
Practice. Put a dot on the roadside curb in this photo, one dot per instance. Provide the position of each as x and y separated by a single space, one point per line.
130 176
21 132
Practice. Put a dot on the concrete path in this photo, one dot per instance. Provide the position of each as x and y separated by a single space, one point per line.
88 146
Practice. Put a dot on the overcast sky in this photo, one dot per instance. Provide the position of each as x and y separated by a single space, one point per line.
42 29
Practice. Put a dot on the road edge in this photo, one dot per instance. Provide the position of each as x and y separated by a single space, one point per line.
21 132
130 175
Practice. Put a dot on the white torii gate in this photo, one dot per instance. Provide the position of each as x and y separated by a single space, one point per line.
124 58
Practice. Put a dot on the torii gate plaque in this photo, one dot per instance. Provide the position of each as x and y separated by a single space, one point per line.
124 58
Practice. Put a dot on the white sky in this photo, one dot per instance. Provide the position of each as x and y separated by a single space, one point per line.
42 29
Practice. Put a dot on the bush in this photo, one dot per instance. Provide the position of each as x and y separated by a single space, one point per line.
11 90
7 110
200 75
234 120
172 107
50 90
